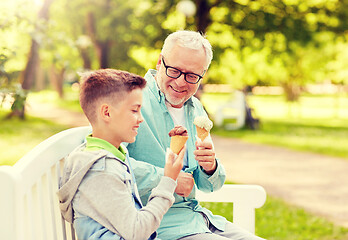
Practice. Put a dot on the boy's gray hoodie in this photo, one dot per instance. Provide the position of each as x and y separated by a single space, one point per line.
99 185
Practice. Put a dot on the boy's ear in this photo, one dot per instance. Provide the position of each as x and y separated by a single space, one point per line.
104 112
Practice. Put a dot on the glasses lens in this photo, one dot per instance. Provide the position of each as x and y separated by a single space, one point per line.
192 78
172 72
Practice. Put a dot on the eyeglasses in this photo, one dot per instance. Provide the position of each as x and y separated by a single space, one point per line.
176 73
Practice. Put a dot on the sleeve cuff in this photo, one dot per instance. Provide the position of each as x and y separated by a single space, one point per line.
216 173
164 189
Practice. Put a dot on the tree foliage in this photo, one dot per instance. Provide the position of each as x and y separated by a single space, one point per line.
287 43
275 42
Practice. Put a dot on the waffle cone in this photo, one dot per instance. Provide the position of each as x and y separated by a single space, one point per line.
202 133
177 142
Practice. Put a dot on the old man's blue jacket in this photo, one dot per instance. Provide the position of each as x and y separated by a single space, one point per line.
184 217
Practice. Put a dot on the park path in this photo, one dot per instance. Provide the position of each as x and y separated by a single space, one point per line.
314 182
62 116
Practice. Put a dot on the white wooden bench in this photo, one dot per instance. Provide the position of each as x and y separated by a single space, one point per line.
231 115
29 203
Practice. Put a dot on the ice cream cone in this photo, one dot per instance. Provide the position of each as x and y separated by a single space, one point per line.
177 142
202 133
203 126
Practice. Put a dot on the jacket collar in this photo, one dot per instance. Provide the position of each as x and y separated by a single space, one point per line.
95 144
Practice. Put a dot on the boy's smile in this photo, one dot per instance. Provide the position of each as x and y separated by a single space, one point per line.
125 118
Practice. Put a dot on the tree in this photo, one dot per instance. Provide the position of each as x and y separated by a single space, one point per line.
28 75
263 37
255 41
8 88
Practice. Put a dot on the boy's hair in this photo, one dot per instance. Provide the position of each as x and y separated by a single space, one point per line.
109 84
188 39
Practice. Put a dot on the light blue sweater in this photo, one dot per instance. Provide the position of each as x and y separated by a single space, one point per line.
184 217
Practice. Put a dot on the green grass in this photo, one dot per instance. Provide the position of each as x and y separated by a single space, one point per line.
18 137
316 124
277 220
297 135
326 107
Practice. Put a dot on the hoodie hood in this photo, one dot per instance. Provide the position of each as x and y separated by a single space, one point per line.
75 168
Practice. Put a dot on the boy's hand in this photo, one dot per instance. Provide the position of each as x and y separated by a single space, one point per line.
205 155
173 166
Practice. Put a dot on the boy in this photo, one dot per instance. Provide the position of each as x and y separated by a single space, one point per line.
98 183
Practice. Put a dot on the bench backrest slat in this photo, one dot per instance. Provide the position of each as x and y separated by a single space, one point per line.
30 209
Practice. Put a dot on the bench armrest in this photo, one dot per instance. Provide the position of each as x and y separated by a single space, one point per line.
245 199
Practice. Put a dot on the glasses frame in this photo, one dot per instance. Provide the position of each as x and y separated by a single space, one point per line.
181 72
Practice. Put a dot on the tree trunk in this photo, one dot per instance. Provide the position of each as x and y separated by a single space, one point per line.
27 77
87 64
102 47
203 19
292 91
57 80
40 81
103 50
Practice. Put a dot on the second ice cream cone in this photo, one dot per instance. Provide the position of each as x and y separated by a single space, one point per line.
177 142
202 133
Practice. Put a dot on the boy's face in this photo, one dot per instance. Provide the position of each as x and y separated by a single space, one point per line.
125 117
